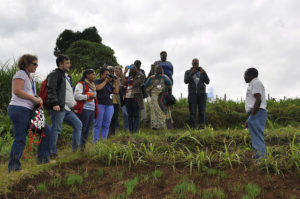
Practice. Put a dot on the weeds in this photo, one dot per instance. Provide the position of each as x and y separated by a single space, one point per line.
184 187
42 187
252 191
130 184
157 174
73 178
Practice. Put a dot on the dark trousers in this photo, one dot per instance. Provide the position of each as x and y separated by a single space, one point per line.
199 100
87 118
133 114
114 120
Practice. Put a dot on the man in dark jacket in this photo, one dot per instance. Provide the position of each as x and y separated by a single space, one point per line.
196 78
60 100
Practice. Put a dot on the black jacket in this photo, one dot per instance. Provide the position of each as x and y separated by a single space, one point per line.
56 89
193 88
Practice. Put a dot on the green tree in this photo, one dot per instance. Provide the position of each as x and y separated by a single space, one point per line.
67 37
86 54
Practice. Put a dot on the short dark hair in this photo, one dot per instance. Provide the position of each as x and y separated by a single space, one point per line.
102 70
253 72
137 63
25 60
163 52
61 58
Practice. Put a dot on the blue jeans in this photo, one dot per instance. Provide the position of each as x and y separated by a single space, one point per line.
57 118
102 122
133 114
20 117
197 100
256 124
87 118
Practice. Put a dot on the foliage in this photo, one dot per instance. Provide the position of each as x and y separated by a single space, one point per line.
157 174
130 184
67 37
42 187
86 54
252 191
73 178
184 187
7 72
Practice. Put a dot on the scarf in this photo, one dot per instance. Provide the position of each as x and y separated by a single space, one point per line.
90 84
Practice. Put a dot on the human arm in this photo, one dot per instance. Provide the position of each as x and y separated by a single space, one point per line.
52 98
18 85
188 76
101 85
78 94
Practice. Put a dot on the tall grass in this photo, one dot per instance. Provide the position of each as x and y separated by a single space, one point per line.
7 71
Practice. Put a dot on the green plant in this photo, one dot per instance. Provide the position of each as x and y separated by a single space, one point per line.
252 190
56 182
130 184
157 174
183 188
120 175
42 187
73 178
213 193
100 172
146 178
237 188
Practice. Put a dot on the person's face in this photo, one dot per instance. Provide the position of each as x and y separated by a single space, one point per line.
118 72
133 71
195 63
105 74
158 70
163 56
91 77
111 71
32 66
247 77
66 65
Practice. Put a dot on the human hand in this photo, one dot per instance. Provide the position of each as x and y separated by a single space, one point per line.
245 125
201 70
56 108
37 100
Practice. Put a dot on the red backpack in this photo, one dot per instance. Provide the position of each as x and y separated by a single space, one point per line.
43 92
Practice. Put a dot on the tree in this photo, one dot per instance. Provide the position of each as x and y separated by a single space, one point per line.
86 54
67 37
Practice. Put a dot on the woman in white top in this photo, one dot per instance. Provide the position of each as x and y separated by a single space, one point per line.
20 110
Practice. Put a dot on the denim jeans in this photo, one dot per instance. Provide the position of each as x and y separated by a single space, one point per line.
20 117
115 118
133 114
102 122
87 118
256 124
57 118
199 100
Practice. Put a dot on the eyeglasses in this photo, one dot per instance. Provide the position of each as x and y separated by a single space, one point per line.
35 64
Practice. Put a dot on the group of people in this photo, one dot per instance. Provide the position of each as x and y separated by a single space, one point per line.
98 101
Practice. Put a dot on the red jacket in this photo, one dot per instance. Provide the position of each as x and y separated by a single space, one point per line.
79 105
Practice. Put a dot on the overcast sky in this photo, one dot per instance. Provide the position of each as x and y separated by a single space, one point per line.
227 37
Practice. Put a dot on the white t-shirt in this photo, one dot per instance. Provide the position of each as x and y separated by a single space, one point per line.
255 86
28 88
70 101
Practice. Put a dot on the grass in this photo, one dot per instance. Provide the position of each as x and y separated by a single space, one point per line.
56 182
100 172
157 174
74 178
184 187
130 184
42 187
252 191
213 193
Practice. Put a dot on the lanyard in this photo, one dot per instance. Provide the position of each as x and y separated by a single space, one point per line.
32 83
69 81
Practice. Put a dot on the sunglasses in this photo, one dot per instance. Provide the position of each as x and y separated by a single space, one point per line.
35 64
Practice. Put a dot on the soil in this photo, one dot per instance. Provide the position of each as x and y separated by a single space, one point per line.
111 183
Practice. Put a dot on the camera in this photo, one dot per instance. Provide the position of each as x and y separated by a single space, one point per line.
112 76
130 67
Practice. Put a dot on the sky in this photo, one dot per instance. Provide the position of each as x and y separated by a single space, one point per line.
226 36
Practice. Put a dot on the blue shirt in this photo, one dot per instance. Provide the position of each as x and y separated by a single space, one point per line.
105 94
168 68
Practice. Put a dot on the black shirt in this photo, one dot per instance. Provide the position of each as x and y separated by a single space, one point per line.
105 95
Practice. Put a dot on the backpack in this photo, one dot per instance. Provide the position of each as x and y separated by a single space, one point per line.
43 92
